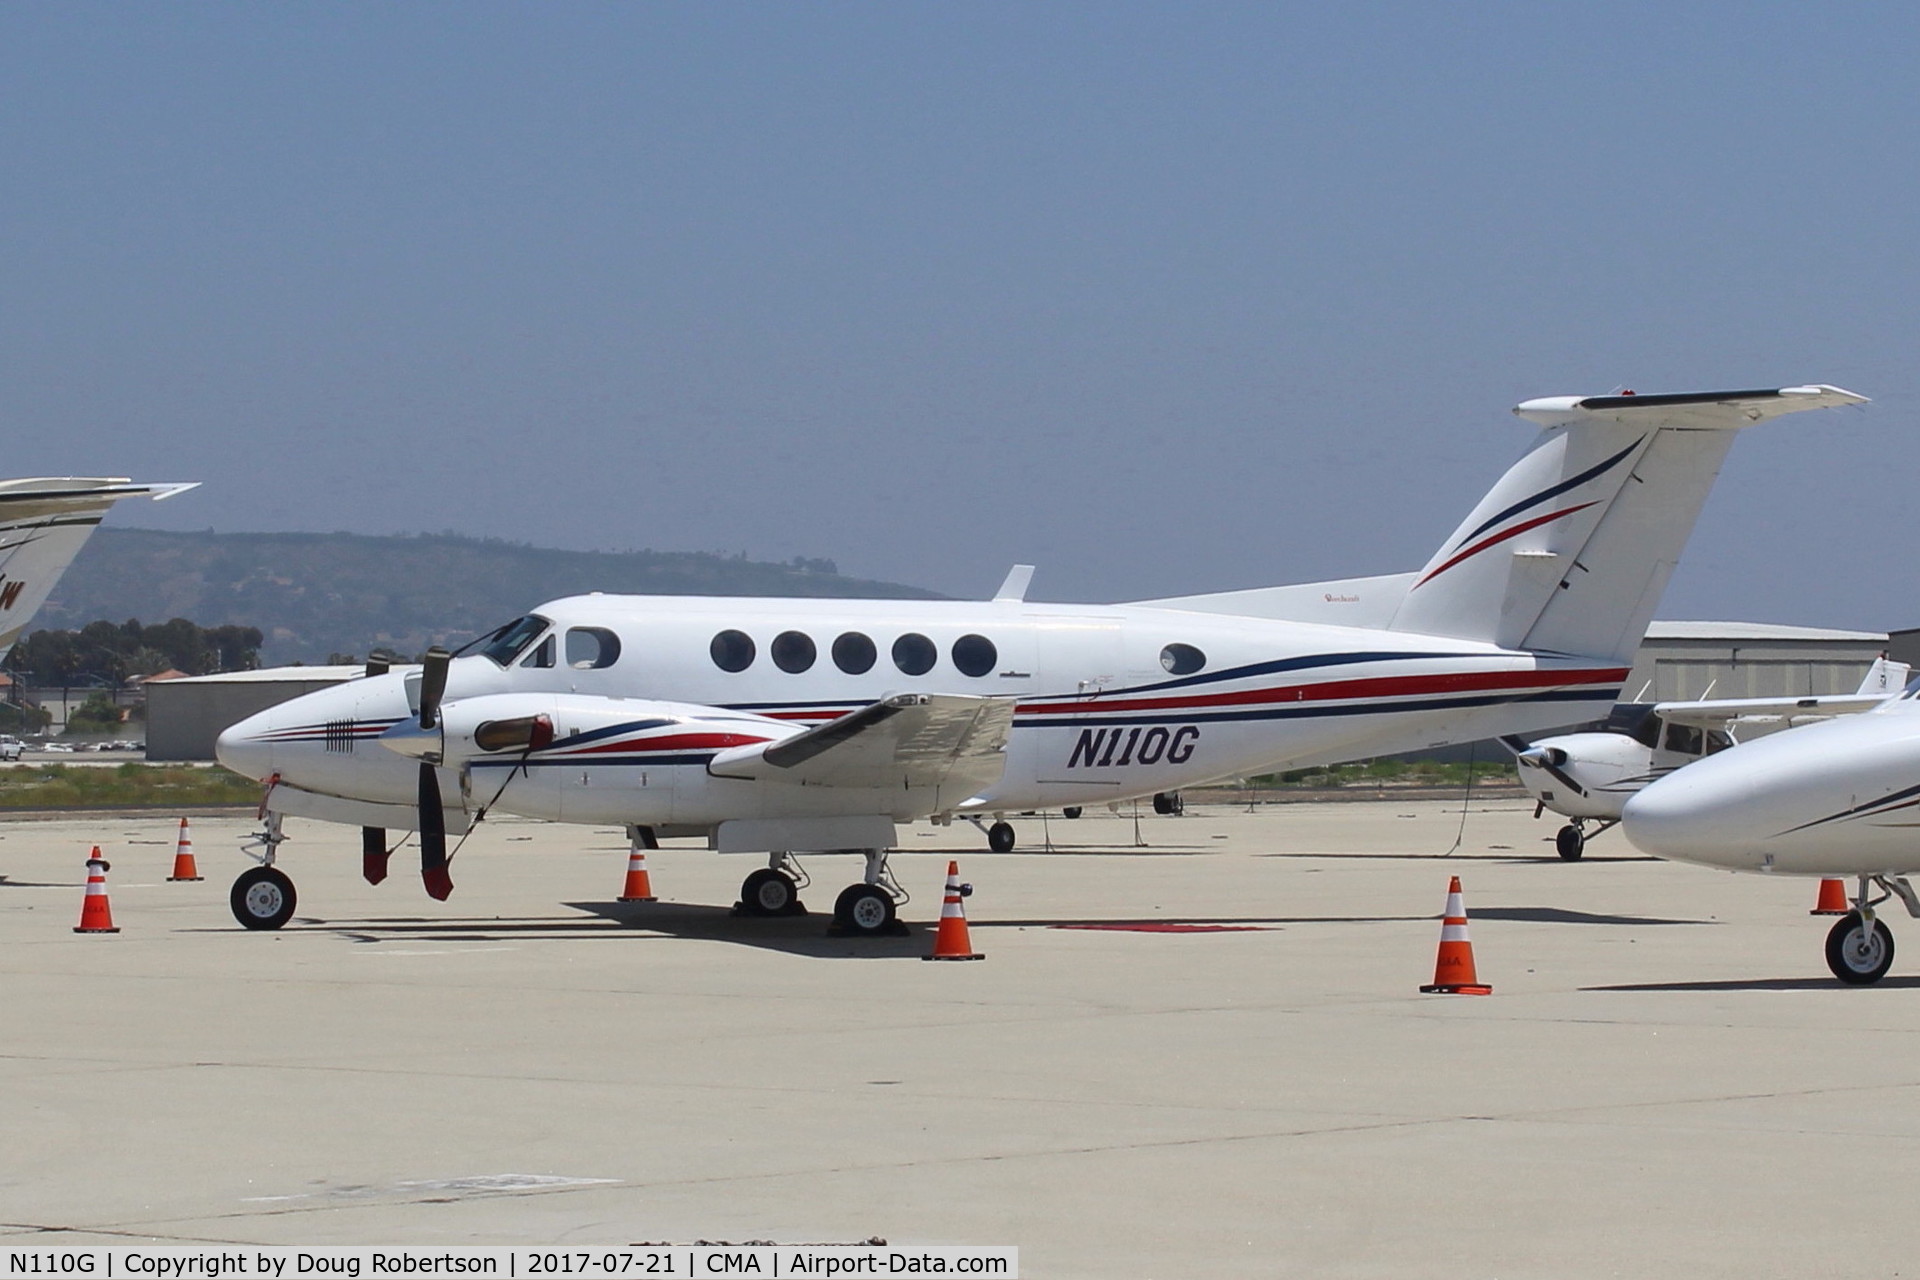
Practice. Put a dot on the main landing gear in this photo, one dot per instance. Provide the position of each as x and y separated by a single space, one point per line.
868 909
1860 946
1571 840
263 896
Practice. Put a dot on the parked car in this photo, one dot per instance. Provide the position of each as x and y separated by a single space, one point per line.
10 747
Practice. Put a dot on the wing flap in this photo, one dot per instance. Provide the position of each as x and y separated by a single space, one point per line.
955 742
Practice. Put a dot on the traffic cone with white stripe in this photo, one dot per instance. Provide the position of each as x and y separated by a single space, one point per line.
639 888
952 942
1832 900
184 867
1453 968
96 913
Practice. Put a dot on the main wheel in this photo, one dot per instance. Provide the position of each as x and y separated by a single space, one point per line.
262 898
1856 954
864 909
1000 837
1071 811
768 893
1570 842
1168 804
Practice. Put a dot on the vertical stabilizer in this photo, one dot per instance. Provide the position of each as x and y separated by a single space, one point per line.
1570 551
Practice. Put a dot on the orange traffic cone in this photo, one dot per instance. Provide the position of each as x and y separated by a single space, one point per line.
1453 968
96 913
183 864
952 941
638 888
1833 899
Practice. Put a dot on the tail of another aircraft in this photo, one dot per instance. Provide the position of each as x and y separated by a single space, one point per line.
1570 551
43 525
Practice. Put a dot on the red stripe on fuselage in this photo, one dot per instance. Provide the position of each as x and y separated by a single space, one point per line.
1341 690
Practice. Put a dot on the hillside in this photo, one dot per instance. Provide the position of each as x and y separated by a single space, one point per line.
315 594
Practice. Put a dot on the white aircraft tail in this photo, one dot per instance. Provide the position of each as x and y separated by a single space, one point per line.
1884 678
1570 551
43 525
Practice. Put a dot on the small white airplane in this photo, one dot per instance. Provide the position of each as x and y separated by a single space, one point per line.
1839 799
43 524
1588 777
774 726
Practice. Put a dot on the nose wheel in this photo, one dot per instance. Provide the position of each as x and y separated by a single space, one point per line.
262 898
1859 950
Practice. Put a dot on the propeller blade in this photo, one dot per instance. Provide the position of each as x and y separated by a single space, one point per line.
373 854
433 685
433 837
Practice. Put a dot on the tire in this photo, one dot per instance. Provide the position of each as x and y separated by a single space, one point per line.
1856 956
1071 811
1570 842
262 898
1168 804
768 893
864 910
1000 837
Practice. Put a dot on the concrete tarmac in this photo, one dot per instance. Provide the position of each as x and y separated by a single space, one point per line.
1239 1080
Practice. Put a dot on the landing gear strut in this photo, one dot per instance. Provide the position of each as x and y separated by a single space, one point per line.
263 896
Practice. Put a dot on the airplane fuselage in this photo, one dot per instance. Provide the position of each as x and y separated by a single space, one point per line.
1112 702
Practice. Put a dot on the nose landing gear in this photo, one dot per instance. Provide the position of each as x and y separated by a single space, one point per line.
1860 946
263 896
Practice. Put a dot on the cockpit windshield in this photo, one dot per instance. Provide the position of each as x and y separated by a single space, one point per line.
505 644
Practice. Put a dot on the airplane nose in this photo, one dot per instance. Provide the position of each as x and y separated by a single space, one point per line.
1679 818
245 747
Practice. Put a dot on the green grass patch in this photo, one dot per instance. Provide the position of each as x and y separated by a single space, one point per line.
159 786
1380 773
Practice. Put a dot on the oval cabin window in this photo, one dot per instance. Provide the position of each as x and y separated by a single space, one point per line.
914 654
732 650
975 655
854 653
792 651
1182 659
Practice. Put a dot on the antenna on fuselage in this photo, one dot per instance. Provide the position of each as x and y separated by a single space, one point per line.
1014 589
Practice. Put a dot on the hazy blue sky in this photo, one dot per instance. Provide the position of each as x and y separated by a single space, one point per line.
1163 298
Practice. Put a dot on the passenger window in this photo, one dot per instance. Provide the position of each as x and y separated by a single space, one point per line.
854 653
592 648
914 654
975 655
542 655
732 650
1685 739
793 651
1718 740
1182 659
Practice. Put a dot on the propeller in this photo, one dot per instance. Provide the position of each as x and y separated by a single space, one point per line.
373 840
433 819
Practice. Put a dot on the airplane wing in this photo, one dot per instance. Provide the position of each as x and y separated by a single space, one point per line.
1714 715
952 741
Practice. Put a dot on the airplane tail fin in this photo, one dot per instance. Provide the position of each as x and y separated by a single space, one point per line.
1884 678
43 525
1570 551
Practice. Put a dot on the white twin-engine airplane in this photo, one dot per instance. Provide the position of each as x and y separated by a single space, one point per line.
1589 776
783 726
1836 799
